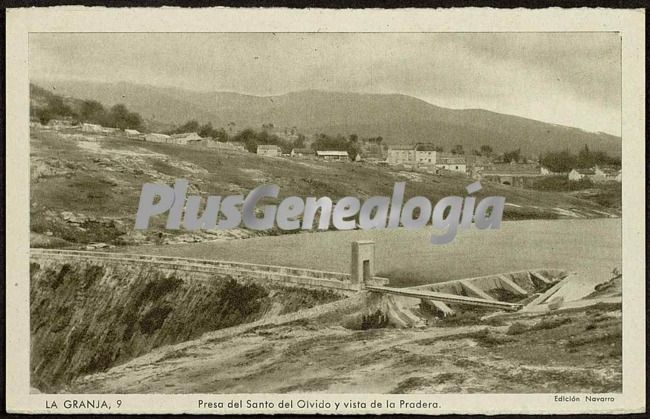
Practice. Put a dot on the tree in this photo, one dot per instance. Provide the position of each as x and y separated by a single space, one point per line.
190 126
91 111
120 117
458 149
220 135
559 162
299 142
512 156
249 138
206 130
486 150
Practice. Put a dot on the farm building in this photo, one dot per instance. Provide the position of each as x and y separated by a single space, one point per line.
333 155
372 153
476 165
425 154
132 133
579 174
401 154
597 174
85 127
421 153
607 174
157 138
268 150
302 152
237 145
513 174
452 163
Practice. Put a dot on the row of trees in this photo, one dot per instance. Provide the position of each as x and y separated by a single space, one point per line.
252 139
118 116
204 130
91 111
564 161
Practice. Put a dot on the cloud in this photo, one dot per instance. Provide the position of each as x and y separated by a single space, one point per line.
567 78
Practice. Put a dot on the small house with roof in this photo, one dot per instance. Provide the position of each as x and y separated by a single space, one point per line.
333 155
269 150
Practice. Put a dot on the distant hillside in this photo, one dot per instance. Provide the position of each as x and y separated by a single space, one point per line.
397 118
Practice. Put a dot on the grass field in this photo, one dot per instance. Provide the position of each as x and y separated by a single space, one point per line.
591 247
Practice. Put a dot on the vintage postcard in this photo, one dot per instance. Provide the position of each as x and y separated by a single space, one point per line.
238 211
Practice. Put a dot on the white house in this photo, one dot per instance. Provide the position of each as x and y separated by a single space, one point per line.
333 155
85 127
426 156
401 154
302 152
269 150
132 133
451 163
579 174
606 174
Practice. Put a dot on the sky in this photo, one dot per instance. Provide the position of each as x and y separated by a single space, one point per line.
570 79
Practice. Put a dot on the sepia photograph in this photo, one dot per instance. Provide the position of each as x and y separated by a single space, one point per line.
326 214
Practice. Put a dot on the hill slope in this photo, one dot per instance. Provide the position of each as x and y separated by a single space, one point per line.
85 187
397 118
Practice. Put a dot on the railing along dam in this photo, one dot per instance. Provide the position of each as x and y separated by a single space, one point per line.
309 278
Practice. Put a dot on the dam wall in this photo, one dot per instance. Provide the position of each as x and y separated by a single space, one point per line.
88 314
343 283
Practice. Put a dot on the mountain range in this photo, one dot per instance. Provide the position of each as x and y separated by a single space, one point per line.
399 119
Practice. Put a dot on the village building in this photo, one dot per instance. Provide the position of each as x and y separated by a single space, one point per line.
157 138
333 155
85 127
269 150
401 154
476 165
186 138
607 174
451 163
512 174
425 154
132 133
302 152
597 174
580 174
371 153
237 145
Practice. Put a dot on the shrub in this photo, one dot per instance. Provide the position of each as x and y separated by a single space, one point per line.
517 329
376 320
